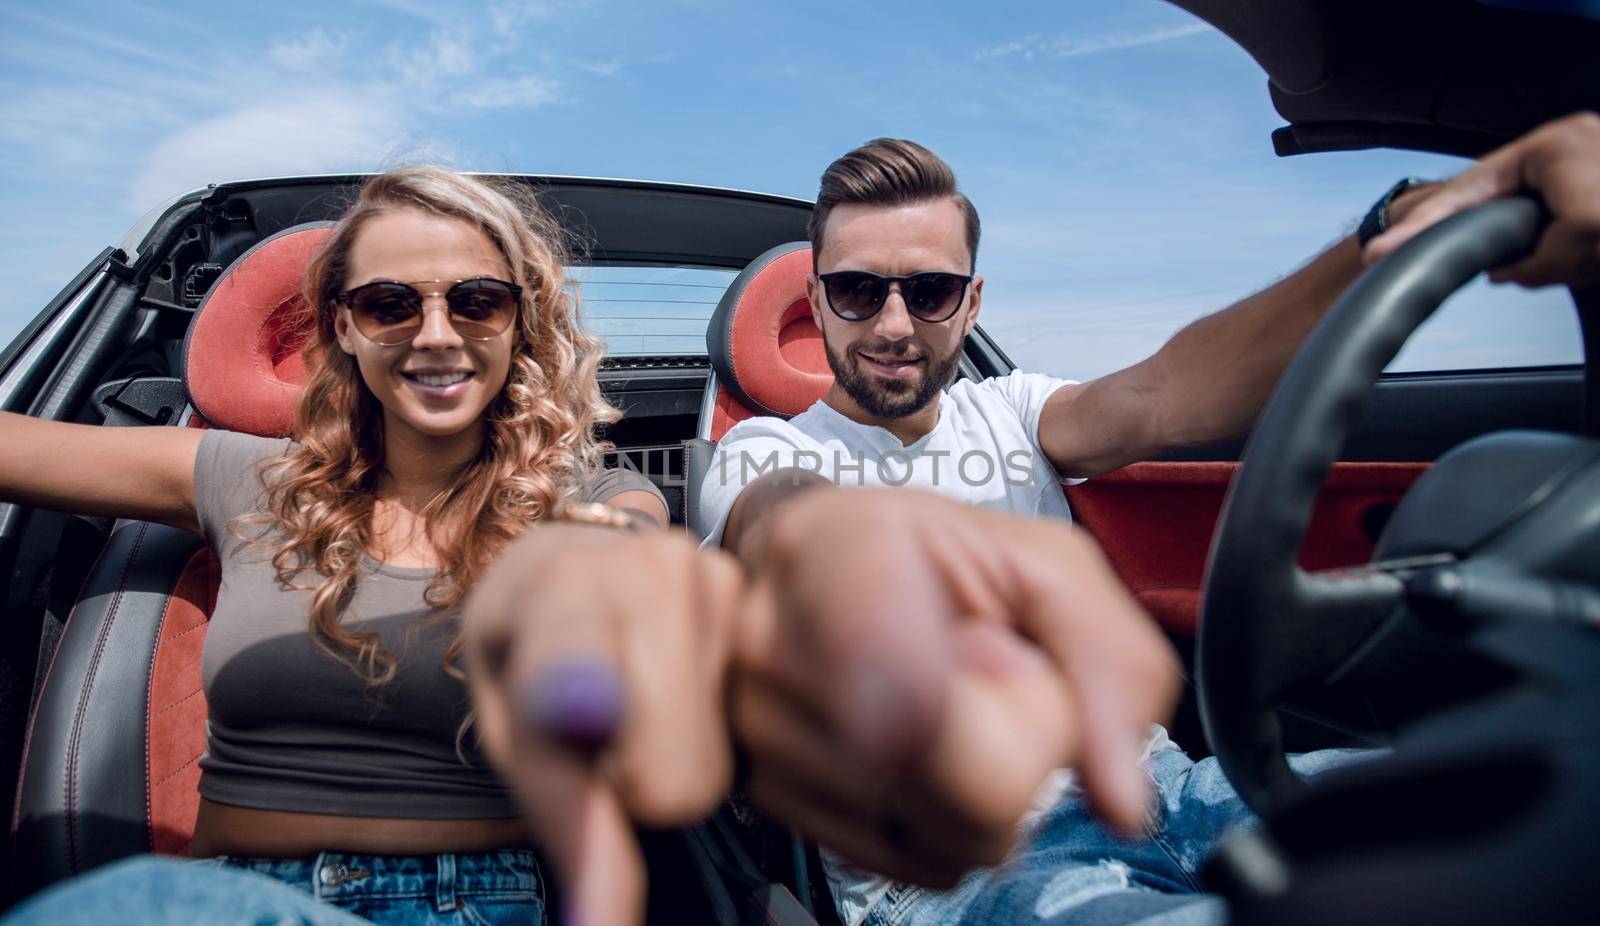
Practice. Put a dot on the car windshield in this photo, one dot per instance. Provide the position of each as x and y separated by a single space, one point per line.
650 310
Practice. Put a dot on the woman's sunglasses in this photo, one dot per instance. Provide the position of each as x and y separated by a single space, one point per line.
856 295
391 313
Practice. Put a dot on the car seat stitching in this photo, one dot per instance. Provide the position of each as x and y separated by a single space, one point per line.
200 626
86 692
683 463
169 707
176 772
27 739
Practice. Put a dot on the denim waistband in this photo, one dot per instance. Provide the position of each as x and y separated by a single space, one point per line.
337 876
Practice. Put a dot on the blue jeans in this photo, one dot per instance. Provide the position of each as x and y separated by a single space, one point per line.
1074 871
331 889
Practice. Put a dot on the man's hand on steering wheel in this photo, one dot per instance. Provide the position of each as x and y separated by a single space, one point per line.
1560 163
1269 627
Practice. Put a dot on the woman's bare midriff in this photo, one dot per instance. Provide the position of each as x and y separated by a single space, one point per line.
224 829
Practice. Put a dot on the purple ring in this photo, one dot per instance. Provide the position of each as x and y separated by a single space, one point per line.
577 701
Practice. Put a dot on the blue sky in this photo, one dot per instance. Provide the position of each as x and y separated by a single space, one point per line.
1118 152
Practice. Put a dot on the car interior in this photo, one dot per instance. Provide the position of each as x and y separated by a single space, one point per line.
185 324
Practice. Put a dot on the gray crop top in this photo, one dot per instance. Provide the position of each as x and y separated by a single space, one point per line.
291 727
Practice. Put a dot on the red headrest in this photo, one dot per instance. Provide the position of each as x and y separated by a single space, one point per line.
241 358
763 345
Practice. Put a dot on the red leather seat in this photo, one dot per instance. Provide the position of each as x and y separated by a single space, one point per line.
110 767
766 358
764 348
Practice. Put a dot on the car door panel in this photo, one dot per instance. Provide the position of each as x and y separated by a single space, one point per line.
1155 519
1155 522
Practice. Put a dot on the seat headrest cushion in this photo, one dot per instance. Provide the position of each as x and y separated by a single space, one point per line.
765 348
241 358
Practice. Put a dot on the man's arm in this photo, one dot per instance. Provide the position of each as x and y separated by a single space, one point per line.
1211 380
750 519
1208 382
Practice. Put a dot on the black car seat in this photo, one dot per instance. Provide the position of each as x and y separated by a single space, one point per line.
110 764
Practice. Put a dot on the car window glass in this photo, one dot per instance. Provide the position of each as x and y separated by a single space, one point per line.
650 310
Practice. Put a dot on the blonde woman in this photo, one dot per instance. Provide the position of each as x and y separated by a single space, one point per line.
450 405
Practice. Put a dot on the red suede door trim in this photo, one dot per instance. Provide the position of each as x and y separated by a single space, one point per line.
177 722
1155 521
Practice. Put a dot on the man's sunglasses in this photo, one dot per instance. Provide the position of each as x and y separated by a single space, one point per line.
391 313
931 296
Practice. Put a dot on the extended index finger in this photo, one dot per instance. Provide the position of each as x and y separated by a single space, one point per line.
573 811
1122 674
550 699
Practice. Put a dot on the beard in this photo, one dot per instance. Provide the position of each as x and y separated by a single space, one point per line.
881 397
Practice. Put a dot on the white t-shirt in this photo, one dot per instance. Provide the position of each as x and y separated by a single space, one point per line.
984 450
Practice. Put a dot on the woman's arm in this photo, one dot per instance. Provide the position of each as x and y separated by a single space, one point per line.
644 506
145 473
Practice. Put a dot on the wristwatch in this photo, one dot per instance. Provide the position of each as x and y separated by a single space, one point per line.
1376 221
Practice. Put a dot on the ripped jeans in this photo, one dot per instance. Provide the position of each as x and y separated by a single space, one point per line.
1074 871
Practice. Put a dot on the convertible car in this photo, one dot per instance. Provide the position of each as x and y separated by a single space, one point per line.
1409 561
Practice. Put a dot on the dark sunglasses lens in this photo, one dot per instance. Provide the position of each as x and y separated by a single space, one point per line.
855 296
933 296
482 308
388 313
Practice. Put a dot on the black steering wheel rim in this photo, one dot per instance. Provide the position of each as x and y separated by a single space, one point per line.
1258 602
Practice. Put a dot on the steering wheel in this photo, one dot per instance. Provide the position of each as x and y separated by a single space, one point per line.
1497 527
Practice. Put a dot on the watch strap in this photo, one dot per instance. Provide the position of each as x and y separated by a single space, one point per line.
1376 221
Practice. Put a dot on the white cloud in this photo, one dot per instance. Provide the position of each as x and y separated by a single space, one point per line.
316 50
168 19
521 92
605 68
66 128
447 55
109 43
1073 47
303 111
509 15
329 134
1025 48
127 123
432 12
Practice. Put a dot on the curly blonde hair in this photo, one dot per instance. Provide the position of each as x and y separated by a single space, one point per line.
539 437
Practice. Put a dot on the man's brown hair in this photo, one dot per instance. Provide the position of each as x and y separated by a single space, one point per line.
889 172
